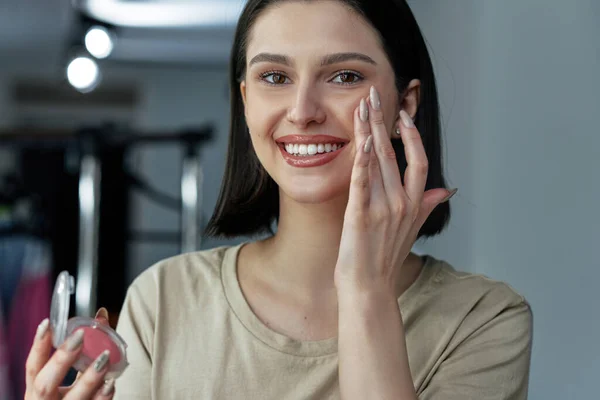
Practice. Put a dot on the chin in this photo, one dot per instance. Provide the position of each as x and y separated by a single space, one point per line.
316 193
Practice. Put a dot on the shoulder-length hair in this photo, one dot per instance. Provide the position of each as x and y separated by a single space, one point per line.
248 203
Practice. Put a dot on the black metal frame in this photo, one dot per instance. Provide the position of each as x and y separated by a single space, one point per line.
90 142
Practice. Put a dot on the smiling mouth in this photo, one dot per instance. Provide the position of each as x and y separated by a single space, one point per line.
308 150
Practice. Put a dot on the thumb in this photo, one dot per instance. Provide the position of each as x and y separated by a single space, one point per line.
102 316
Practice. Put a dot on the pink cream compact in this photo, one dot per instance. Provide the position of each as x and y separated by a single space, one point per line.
97 337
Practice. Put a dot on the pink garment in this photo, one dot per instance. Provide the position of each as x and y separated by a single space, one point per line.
30 306
5 389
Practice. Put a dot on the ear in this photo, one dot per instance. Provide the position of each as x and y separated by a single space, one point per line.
243 92
410 99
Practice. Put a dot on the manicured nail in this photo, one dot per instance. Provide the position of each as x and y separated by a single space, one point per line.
452 193
74 341
108 388
101 361
364 111
369 144
102 313
102 316
42 329
406 119
375 102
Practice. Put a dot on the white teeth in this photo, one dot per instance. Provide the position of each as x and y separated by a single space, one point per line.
311 149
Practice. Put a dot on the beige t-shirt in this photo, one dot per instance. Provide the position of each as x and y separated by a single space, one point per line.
192 335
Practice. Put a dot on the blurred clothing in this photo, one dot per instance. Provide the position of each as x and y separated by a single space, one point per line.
5 389
26 286
12 255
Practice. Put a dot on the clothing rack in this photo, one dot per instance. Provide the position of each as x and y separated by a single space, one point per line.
90 142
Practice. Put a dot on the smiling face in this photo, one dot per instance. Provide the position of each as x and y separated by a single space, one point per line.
308 66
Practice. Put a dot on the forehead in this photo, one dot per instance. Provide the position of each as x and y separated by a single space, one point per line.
300 27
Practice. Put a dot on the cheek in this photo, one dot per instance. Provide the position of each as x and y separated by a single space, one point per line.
391 110
262 115
344 110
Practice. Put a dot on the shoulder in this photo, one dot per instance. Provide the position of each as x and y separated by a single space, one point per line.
471 335
182 274
463 287
469 301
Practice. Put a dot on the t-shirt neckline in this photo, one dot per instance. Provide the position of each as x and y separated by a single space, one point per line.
266 335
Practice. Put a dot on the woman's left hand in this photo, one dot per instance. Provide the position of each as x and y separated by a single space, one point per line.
383 217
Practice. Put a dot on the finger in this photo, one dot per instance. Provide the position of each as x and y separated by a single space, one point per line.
359 195
386 155
378 203
362 129
107 391
91 380
39 353
55 370
431 199
415 176
376 184
102 316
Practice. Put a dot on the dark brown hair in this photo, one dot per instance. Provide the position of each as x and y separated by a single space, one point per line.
248 204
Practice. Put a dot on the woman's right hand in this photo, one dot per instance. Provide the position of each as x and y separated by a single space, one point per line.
44 374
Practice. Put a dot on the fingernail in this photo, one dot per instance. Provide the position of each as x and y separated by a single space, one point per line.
369 144
406 119
74 341
364 111
108 387
452 193
102 313
101 361
375 102
42 329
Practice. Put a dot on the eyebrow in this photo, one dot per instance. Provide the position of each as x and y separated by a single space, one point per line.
329 59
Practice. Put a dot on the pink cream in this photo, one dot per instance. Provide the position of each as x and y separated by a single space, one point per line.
95 342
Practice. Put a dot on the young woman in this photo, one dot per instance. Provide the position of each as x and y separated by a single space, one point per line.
335 138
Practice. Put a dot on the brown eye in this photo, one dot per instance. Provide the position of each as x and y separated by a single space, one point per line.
347 78
278 79
274 78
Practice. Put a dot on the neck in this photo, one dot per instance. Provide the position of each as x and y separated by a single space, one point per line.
300 258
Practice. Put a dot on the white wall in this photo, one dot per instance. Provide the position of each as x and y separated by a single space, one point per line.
519 83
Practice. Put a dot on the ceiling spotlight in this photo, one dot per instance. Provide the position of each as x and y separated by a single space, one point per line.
99 41
163 14
83 74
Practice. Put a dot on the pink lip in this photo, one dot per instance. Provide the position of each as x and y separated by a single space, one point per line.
310 139
310 161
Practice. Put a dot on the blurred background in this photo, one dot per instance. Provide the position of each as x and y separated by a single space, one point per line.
113 135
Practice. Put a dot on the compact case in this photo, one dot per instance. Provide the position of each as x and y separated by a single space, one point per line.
97 337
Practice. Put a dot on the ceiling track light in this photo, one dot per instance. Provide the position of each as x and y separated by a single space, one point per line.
99 41
163 14
83 73
90 41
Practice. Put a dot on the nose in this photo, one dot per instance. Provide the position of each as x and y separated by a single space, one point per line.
306 108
